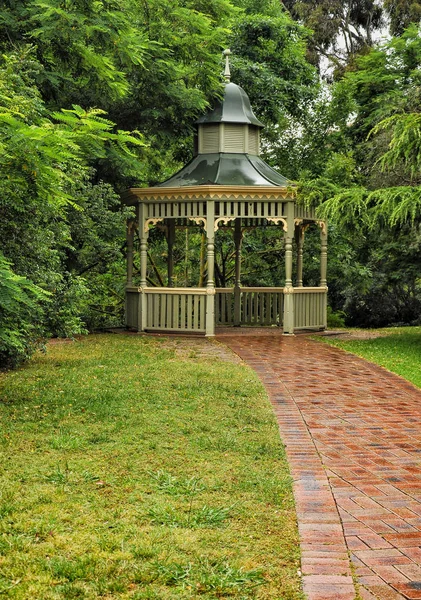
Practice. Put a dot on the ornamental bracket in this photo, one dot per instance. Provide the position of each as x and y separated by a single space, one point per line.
198 220
151 222
323 226
223 220
278 220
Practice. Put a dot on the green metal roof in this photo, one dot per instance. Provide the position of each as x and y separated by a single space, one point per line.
226 169
234 108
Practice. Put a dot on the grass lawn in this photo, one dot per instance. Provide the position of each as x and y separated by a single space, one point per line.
131 470
398 349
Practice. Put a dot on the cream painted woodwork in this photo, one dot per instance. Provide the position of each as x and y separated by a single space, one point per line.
226 185
232 138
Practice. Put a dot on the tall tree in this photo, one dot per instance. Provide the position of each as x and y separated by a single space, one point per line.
401 14
341 30
371 189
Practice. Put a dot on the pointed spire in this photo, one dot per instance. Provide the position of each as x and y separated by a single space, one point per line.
227 72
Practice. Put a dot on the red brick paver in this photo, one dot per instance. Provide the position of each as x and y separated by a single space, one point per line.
352 433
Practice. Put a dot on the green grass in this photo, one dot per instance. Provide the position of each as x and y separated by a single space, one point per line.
127 471
398 350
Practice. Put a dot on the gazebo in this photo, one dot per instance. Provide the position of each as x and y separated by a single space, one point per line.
226 185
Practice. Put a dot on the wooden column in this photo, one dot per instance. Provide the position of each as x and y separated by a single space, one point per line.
143 300
210 254
288 324
323 254
130 235
129 266
300 245
170 260
238 236
323 268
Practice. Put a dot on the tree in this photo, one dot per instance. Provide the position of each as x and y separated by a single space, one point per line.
21 315
371 188
44 159
341 30
152 66
401 14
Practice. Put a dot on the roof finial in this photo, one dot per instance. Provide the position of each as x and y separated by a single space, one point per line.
227 72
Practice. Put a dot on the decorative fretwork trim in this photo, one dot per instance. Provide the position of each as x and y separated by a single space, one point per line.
323 226
198 220
152 222
224 220
278 220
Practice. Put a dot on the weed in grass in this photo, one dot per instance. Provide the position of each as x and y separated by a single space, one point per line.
59 476
89 477
4 545
206 516
15 542
222 578
144 551
175 486
41 532
99 438
172 573
217 577
79 568
147 593
264 449
6 585
7 504
66 441
70 591
227 442
44 499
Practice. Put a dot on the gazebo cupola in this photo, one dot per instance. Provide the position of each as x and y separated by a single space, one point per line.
228 145
226 184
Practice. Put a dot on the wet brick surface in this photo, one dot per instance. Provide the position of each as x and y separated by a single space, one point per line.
352 433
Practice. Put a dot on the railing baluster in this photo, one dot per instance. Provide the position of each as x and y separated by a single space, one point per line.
196 312
189 311
176 312
183 324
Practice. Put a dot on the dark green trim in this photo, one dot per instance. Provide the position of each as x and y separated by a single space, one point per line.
235 108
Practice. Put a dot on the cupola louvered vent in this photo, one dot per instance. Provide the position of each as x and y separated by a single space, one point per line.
253 141
209 139
234 138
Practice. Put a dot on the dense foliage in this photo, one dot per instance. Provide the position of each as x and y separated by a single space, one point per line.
97 96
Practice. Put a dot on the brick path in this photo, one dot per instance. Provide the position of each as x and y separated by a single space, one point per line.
353 438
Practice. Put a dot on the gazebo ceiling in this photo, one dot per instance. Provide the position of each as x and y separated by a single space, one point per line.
226 169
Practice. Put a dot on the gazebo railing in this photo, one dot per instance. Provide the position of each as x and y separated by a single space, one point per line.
264 306
132 308
310 307
168 309
184 309
261 306
257 306
224 306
